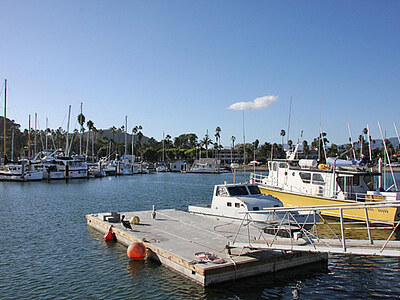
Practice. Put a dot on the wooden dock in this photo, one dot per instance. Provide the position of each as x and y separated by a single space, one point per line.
174 236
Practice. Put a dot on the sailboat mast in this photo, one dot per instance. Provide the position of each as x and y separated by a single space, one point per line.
12 145
126 128
351 141
163 147
5 116
29 139
369 143
47 127
34 148
66 145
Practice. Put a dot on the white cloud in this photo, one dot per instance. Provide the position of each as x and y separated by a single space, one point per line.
258 103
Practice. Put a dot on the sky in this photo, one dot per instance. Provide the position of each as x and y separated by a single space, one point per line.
185 66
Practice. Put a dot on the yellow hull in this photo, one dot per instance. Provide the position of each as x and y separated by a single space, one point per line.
384 215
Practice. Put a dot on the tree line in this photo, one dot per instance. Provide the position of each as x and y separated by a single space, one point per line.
99 143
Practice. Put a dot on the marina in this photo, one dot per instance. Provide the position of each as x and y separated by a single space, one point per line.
67 257
200 150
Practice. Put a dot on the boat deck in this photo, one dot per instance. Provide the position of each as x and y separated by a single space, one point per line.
174 237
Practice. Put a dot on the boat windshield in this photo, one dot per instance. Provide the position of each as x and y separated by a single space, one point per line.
237 190
254 190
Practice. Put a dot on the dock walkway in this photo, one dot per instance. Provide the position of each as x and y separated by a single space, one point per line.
174 237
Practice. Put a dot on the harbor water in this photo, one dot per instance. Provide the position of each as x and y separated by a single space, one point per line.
48 252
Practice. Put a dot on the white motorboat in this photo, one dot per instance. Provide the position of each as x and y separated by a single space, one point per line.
58 166
124 167
161 168
205 166
21 171
234 201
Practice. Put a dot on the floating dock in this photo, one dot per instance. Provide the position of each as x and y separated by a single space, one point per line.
174 237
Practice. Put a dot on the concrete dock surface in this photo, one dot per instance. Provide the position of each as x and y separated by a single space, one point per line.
174 237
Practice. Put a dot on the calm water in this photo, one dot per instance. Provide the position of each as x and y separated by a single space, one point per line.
47 251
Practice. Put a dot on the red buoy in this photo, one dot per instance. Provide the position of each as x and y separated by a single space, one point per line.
110 235
136 251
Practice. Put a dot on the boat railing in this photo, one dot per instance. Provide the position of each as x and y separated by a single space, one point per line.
325 236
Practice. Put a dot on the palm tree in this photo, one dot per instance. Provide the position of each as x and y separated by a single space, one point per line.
81 121
217 137
205 142
306 149
137 131
233 139
90 126
283 133
168 142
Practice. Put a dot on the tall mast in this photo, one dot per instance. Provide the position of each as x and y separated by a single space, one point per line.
351 141
12 145
5 116
80 141
369 144
34 148
163 146
126 128
207 145
66 145
29 139
47 126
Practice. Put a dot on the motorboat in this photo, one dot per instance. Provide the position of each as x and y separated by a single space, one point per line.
124 166
20 171
161 168
205 166
237 201
58 166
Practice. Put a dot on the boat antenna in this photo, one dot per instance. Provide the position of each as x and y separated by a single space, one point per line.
388 158
322 140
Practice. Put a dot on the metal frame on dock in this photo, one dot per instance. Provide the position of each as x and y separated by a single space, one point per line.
311 241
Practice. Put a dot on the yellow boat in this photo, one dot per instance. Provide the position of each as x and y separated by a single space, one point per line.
303 182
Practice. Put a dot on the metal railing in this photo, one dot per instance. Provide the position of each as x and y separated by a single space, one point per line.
315 239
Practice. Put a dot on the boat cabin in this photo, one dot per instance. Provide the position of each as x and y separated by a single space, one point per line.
323 180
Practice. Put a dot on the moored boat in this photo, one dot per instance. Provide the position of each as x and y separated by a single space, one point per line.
234 201
21 171
306 183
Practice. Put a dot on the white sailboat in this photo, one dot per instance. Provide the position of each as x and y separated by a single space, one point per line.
162 168
23 169
205 165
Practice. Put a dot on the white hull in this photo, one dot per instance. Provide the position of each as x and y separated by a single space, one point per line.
28 176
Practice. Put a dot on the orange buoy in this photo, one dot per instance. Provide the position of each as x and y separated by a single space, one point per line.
110 235
136 251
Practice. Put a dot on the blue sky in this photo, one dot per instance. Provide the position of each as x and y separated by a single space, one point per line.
176 66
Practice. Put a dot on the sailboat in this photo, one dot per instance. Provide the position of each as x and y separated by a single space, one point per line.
205 165
124 166
22 170
162 167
